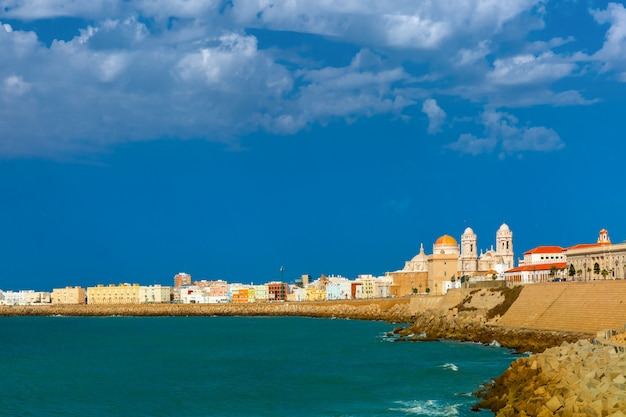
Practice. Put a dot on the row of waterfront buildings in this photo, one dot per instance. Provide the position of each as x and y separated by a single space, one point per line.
450 265
187 291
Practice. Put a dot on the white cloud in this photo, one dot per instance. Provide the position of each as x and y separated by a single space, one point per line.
143 69
414 31
43 9
612 55
501 132
395 23
436 115
529 69
15 85
470 56
470 144
115 82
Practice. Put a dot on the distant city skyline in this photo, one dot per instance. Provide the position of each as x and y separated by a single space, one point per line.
228 139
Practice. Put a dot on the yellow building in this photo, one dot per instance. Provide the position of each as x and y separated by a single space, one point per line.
155 294
442 264
68 295
114 294
314 293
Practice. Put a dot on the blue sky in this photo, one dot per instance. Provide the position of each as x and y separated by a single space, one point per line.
141 138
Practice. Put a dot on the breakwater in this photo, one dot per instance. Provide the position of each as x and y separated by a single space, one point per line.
573 379
391 310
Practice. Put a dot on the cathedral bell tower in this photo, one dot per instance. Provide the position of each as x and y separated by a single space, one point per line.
468 261
504 245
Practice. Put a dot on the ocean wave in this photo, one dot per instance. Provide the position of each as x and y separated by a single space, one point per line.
495 343
449 367
426 408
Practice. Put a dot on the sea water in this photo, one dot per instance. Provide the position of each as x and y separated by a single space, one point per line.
233 366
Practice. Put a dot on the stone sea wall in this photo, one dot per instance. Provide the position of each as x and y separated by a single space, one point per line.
392 310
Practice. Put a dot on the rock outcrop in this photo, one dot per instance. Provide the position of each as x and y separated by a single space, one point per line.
473 326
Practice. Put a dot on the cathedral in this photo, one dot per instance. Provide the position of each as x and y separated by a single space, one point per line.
450 262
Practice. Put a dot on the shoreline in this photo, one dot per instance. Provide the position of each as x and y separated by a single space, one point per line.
475 319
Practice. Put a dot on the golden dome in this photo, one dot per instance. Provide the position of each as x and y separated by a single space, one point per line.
446 240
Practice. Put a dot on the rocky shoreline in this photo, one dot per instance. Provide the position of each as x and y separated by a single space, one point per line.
472 326
566 375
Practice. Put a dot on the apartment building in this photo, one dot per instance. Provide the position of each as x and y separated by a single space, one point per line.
69 295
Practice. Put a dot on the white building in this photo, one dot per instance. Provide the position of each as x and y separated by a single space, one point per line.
298 294
543 255
338 288
192 294
25 297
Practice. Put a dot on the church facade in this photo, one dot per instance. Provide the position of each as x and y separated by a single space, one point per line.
449 262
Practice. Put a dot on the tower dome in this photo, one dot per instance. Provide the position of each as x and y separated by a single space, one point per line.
468 231
446 240
446 244
504 228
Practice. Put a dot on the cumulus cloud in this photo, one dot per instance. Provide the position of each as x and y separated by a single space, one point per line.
502 134
394 23
145 69
529 69
436 115
612 55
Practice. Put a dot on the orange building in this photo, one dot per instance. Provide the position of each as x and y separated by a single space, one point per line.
181 279
277 291
240 295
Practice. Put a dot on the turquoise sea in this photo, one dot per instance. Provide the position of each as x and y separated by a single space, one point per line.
233 366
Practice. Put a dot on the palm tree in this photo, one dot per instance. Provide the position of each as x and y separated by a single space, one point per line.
596 268
604 273
552 272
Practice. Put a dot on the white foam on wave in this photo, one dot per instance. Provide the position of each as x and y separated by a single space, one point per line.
449 367
387 337
495 343
426 408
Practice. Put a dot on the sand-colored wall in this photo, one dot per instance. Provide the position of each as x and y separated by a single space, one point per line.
570 306
453 297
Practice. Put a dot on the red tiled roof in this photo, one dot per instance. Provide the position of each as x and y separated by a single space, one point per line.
538 267
583 246
545 249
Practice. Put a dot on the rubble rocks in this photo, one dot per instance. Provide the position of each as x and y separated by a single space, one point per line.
573 379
